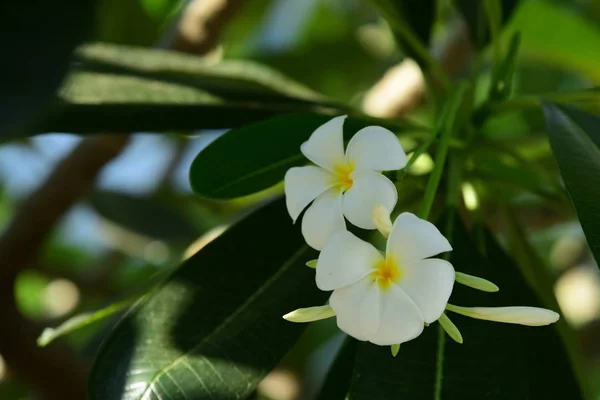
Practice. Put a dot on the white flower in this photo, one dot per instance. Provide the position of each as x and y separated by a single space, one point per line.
342 184
387 299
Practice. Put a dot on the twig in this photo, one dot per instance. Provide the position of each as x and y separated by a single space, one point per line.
53 371
200 26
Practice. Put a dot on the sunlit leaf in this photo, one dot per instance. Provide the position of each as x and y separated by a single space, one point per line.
94 102
81 320
234 80
573 47
214 329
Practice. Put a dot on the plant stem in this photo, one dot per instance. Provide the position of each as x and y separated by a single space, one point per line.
446 127
492 10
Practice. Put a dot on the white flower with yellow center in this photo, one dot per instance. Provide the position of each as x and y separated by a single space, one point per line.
387 299
342 184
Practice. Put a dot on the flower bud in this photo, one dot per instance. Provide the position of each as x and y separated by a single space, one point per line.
530 316
309 314
381 219
475 282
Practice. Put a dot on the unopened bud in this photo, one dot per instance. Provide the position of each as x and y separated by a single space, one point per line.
381 219
530 316
309 314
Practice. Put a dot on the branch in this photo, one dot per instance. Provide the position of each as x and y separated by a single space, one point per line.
53 371
199 29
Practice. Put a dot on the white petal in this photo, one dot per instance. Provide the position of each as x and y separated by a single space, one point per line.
530 316
429 284
303 185
323 218
414 239
325 147
344 260
357 308
376 148
400 320
368 189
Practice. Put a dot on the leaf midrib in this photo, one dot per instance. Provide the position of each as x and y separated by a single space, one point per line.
226 322
255 173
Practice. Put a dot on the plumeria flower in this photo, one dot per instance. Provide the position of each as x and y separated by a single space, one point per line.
387 300
342 184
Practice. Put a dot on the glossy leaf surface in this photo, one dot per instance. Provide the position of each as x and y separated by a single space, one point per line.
214 329
255 157
575 140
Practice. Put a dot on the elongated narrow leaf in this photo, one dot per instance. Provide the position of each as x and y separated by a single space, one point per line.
575 140
82 320
214 329
255 157
119 118
92 102
496 361
235 80
106 88
145 216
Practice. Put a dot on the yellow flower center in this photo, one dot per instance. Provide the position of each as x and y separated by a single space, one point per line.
387 272
343 172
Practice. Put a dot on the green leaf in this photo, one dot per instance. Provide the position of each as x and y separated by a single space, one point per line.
496 361
104 88
160 9
477 21
127 22
35 61
94 102
575 140
82 320
111 102
255 157
233 80
214 329
145 216
573 47
119 118
339 376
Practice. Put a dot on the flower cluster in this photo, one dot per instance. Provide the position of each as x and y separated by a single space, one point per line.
386 299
